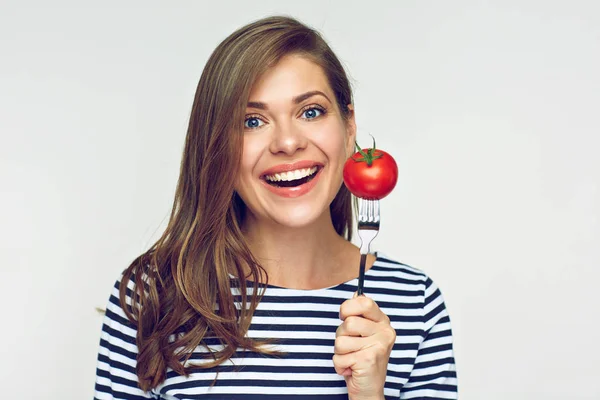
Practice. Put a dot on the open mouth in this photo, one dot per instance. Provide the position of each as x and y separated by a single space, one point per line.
292 178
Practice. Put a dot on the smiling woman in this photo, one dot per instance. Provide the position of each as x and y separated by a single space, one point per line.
296 141
248 294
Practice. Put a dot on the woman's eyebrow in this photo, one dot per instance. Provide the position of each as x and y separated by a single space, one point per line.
257 104
304 96
296 100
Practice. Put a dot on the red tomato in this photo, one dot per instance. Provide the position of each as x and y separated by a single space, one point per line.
371 182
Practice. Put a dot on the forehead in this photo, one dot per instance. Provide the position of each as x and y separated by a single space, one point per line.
292 75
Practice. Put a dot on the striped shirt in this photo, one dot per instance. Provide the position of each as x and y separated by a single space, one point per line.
303 322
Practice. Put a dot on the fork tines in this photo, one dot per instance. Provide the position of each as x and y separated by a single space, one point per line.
368 214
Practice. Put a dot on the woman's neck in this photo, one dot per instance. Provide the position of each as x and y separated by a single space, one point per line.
308 257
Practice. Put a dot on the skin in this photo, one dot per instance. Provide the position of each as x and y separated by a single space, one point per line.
294 238
362 349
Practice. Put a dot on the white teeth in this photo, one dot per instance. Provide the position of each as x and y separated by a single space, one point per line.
291 175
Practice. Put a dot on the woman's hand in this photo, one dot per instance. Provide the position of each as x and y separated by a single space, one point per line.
363 344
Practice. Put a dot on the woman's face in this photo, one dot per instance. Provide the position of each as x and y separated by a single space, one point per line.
295 145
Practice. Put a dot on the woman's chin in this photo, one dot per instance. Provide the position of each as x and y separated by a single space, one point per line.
296 217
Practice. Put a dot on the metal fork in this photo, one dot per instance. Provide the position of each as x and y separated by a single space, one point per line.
368 228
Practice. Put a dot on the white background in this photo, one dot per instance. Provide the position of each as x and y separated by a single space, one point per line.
492 109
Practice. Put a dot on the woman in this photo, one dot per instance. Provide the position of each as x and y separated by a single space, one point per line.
249 292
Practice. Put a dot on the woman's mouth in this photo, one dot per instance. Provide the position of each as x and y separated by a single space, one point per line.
292 178
293 183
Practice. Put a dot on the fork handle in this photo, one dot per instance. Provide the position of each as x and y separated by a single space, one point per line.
361 274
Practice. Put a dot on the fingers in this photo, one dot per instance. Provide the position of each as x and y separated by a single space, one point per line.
363 343
359 362
349 344
356 326
343 363
382 340
363 306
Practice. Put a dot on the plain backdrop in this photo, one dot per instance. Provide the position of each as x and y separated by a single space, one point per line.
491 108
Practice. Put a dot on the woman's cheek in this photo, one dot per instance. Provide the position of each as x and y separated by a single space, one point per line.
251 154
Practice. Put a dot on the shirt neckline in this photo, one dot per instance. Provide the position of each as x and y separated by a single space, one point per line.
332 287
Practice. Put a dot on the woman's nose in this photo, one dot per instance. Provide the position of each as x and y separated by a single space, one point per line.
288 139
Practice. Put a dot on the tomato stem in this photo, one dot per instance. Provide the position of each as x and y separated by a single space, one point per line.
369 156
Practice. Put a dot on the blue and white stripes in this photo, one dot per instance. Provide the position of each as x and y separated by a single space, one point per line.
303 324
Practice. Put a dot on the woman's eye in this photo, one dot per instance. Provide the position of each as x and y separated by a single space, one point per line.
312 113
253 122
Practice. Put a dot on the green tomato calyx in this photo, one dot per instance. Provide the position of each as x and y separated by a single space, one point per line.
367 156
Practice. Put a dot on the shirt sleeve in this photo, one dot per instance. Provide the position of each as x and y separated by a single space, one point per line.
115 373
434 372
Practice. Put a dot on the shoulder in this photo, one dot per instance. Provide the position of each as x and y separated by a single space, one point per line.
128 292
407 293
387 262
389 276
389 268
116 311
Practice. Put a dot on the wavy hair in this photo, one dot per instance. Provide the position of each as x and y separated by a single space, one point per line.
192 285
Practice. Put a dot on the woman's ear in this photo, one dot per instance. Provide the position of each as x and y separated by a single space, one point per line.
350 131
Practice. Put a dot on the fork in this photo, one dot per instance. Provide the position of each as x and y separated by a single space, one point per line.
368 228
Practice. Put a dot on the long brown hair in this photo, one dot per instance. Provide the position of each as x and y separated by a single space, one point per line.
181 288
